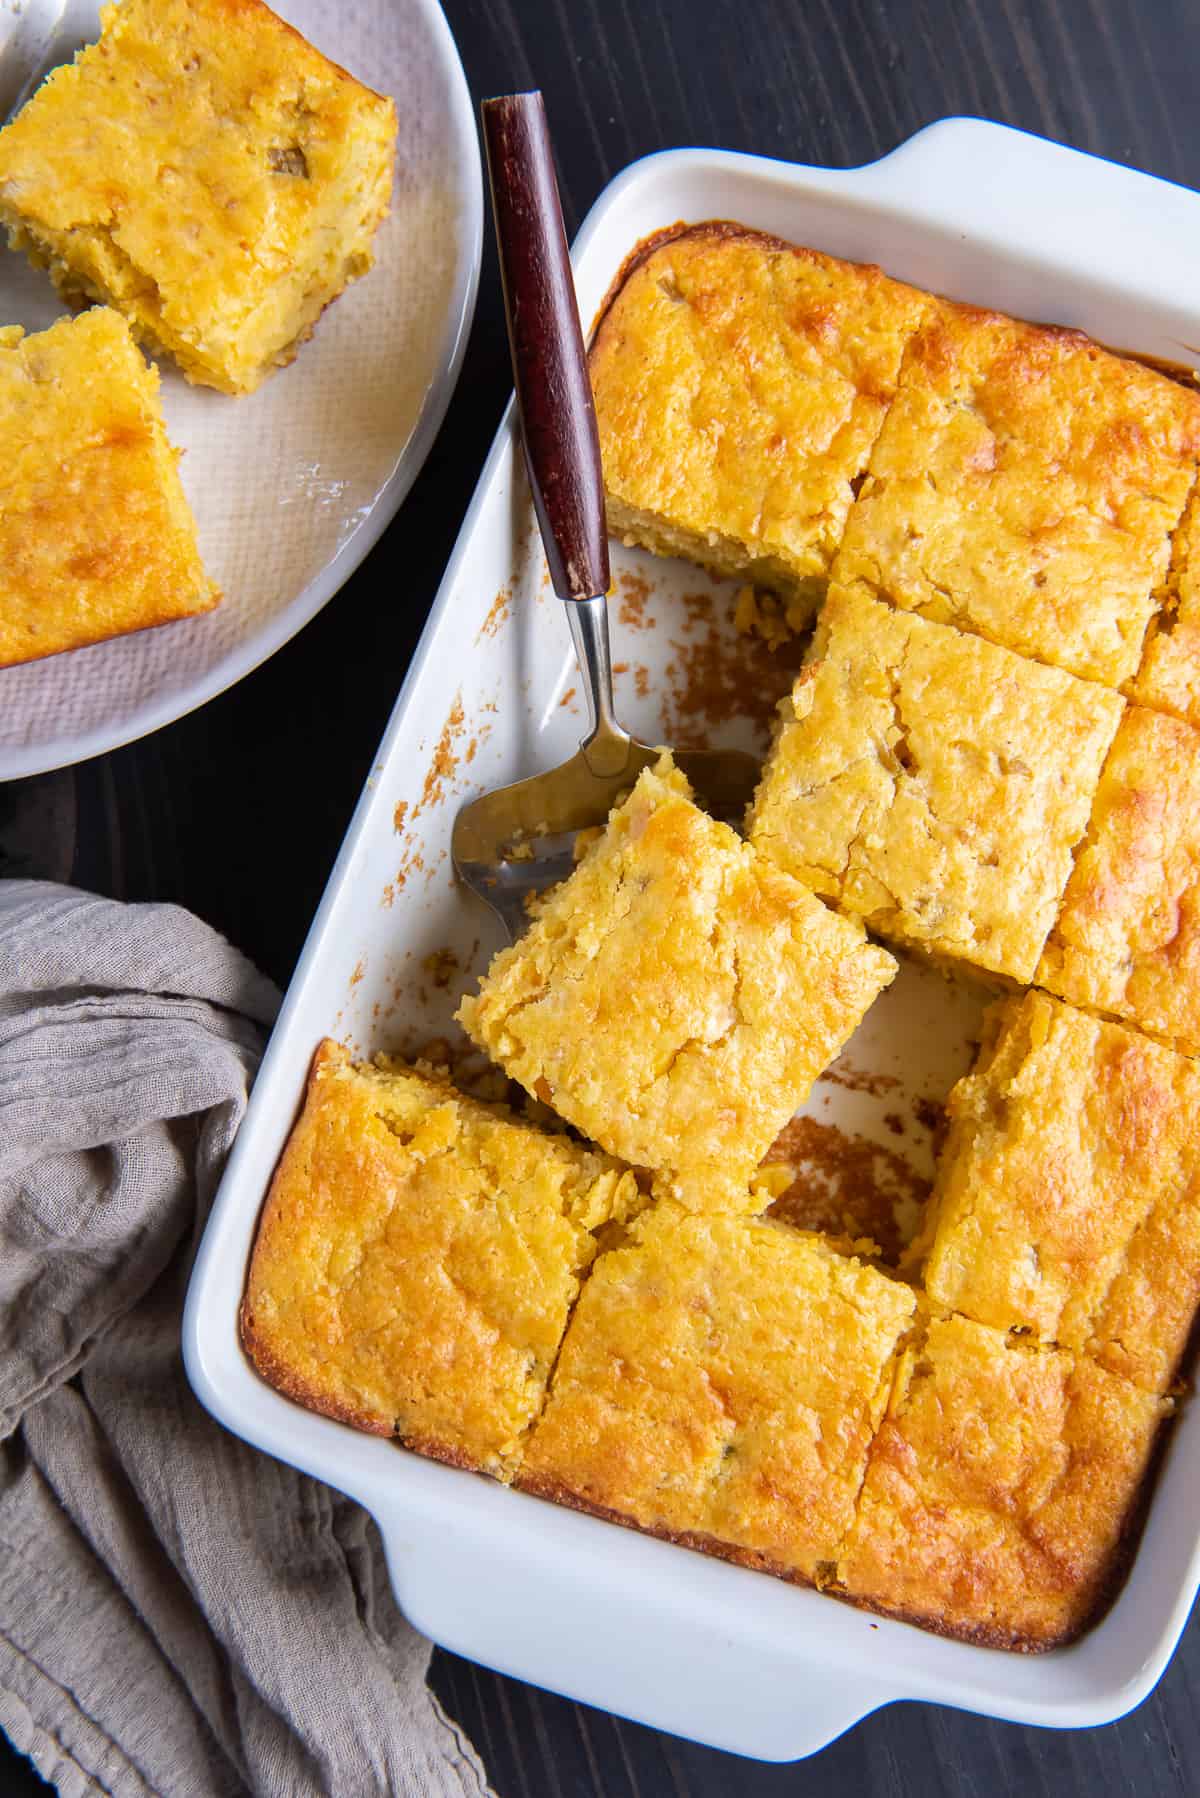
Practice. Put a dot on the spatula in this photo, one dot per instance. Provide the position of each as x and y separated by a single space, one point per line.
518 840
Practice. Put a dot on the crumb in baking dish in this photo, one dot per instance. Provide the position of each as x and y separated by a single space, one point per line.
1025 485
933 784
719 1384
1169 677
1127 939
1000 1488
677 996
418 1256
740 382
1067 1204
96 536
208 172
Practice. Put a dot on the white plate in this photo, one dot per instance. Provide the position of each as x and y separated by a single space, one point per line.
292 485
638 1626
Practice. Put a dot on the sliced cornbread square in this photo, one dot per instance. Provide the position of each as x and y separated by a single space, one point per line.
933 784
677 996
96 536
720 1383
1000 1489
1169 678
1127 939
1070 1183
417 1259
740 382
1025 485
207 171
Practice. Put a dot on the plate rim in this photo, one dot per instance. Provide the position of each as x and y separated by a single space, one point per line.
21 761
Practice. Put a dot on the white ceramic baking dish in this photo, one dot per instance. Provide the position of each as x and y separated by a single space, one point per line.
639 1626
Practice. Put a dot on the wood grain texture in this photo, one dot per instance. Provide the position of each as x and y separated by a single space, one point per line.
238 810
554 394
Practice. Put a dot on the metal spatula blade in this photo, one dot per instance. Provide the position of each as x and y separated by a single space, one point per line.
519 840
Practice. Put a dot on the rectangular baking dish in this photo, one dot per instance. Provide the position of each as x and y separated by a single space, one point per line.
638 1626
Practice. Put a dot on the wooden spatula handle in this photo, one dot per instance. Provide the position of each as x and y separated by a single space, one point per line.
562 447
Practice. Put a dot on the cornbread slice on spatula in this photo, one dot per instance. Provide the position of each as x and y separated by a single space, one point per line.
207 171
677 996
417 1259
96 536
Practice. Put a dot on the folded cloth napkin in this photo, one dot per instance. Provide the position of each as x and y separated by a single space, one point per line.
178 1613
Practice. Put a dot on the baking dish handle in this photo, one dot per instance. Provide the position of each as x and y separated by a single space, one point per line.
665 1665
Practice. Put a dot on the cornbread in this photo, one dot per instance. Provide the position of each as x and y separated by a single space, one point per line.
1025 486
1170 673
677 996
740 382
417 1259
1127 939
1068 1197
719 1384
1000 1489
933 784
96 537
207 171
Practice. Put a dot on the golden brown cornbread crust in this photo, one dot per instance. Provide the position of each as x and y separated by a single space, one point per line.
1067 1200
933 784
739 383
207 171
96 535
677 996
718 1351
1022 482
1025 486
1126 942
417 1259
722 1377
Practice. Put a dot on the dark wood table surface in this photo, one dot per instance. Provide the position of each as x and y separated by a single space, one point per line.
238 810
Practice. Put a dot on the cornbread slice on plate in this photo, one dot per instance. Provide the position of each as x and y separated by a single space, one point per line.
677 996
740 382
417 1259
1169 678
96 536
1127 939
719 1384
1025 485
1067 1204
933 784
207 171
1000 1489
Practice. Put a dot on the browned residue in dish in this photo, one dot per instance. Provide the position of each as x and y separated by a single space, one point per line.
717 675
496 616
399 815
930 1113
360 969
445 760
894 1122
441 966
857 1080
633 596
848 1186
569 695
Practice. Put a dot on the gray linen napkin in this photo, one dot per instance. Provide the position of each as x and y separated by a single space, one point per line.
178 1614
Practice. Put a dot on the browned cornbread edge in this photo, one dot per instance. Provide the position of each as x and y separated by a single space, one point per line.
977 1636
722 230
